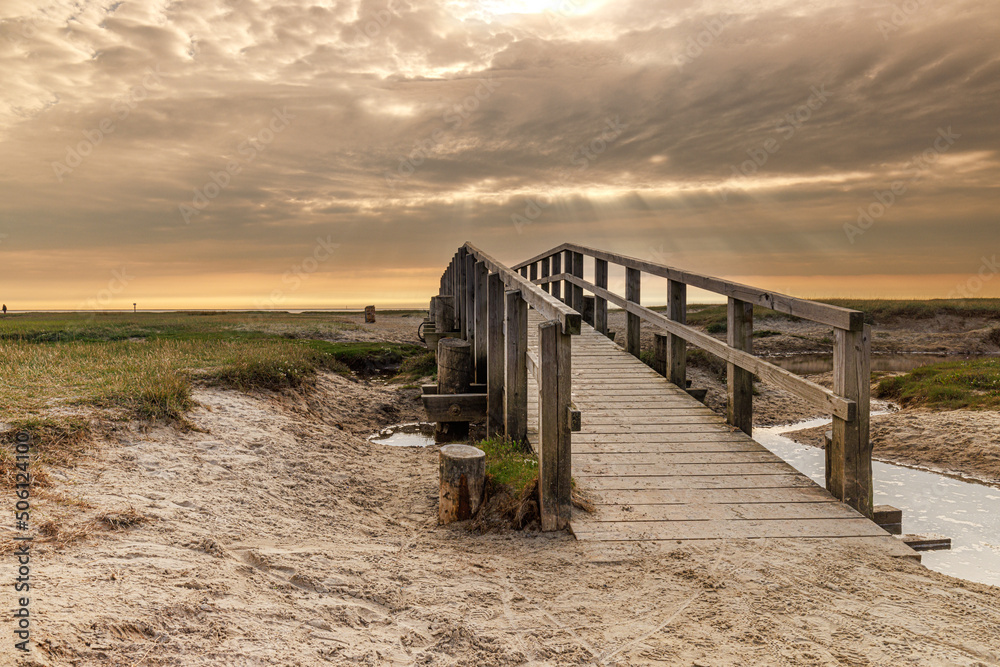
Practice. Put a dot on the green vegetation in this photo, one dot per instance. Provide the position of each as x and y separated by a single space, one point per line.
950 385
509 464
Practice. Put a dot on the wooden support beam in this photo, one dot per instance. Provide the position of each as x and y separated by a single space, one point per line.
556 270
600 303
660 353
516 386
480 315
587 311
632 321
533 271
850 458
677 346
545 262
470 299
494 356
577 289
554 455
739 408
455 407
462 293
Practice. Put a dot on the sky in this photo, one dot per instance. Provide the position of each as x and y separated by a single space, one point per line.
318 153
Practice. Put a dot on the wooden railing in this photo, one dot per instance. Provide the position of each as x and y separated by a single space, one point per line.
559 272
490 309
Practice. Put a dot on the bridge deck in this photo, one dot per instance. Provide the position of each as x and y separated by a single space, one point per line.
662 466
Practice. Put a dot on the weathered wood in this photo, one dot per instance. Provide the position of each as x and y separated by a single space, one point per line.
495 361
850 456
600 303
577 290
842 318
568 271
660 353
516 386
587 311
462 293
454 376
632 323
773 511
545 263
444 313
669 457
556 268
455 407
554 457
480 318
750 529
462 482
676 346
532 364
533 271
739 407
470 298
798 495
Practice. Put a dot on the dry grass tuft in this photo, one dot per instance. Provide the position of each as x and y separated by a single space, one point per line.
121 520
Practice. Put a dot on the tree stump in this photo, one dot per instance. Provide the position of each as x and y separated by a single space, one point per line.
463 475
443 313
454 359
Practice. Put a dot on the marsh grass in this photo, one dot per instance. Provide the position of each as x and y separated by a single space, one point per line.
509 464
951 385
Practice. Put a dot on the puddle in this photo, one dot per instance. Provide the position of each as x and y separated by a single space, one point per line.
812 364
419 434
932 504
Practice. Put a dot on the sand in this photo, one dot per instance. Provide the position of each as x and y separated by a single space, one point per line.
279 535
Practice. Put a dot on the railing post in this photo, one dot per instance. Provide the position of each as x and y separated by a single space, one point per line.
516 388
460 294
545 274
849 462
633 323
660 364
568 286
556 270
554 455
480 341
524 272
533 271
601 304
578 289
739 409
495 356
676 370
470 297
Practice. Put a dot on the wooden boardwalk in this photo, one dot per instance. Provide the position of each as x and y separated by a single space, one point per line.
661 466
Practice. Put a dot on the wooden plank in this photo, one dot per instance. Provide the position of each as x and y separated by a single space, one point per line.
660 353
577 290
804 389
644 418
748 529
546 264
516 386
680 470
650 439
556 259
532 363
670 458
739 382
803 494
454 407
707 448
820 511
546 304
554 454
632 324
463 287
676 353
696 421
481 315
470 299
495 361
850 471
600 303
701 482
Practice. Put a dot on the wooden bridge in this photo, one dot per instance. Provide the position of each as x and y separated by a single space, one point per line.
658 463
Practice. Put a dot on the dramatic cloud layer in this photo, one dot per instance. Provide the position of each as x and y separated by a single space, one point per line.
303 153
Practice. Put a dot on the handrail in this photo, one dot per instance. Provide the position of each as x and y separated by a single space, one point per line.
835 316
811 392
550 307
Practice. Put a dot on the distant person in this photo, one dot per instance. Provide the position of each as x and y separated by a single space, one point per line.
5 309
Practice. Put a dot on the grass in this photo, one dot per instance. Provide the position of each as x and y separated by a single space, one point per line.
949 385
509 464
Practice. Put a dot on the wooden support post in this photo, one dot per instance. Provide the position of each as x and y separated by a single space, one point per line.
851 455
480 318
739 411
587 311
454 376
632 322
462 482
556 270
545 274
524 272
470 298
533 271
461 287
601 304
444 314
554 455
516 387
494 356
677 346
577 289
660 353
567 286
